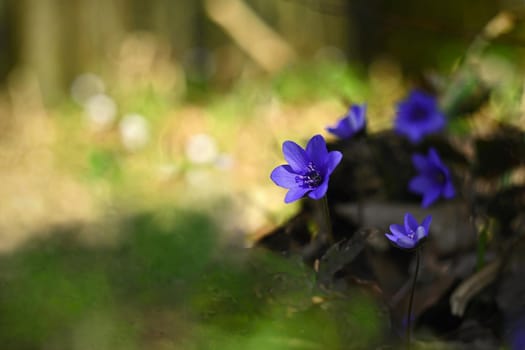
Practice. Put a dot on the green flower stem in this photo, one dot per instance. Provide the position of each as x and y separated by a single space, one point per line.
326 217
481 249
410 302
484 235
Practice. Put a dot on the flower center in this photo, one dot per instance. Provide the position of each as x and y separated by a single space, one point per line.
440 177
311 179
419 113
417 234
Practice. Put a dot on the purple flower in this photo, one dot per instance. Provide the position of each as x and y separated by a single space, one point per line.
307 171
518 335
417 116
433 179
351 123
411 234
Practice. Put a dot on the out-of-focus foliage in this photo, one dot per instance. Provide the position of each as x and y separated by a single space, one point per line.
166 281
327 80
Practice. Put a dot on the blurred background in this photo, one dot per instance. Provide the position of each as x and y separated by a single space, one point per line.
123 103
118 111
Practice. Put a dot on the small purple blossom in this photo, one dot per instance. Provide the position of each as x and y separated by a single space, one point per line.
351 123
518 334
433 180
411 234
418 115
308 170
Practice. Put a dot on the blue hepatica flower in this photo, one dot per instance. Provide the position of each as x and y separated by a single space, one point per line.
418 115
433 180
408 236
308 170
518 335
351 123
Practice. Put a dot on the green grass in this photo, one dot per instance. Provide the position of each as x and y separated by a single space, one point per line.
58 292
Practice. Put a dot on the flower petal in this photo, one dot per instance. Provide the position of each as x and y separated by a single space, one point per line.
320 191
295 156
420 233
410 223
426 223
403 242
397 230
391 238
359 116
341 129
430 196
449 191
420 184
332 161
396 241
412 132
351 123
316 150
420 162
433 157
415 135
284 176
407 244
437 122
295 194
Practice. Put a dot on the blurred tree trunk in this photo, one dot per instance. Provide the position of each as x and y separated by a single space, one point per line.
58 39
263 44
309 27
38 24
7 39
94 31
178 22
